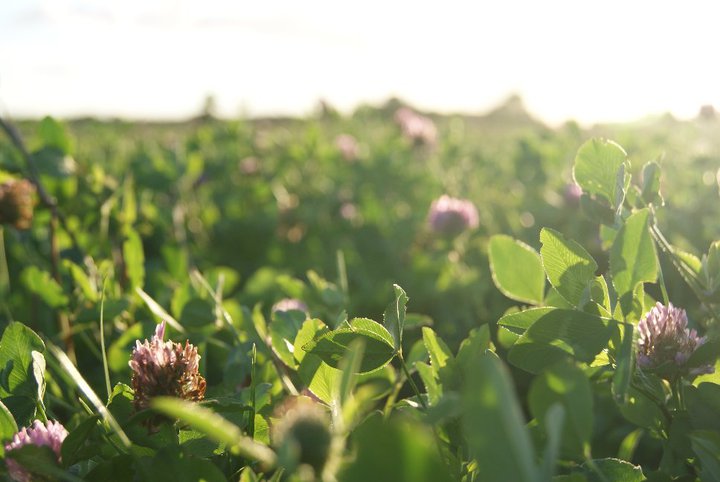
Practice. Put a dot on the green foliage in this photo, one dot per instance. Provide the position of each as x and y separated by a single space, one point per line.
22 380
205 226
506 256
493 423
396 451
600 170
567 386
551 334
333 345
633 259
570 269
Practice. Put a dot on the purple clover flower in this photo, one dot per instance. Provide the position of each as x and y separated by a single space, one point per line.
348 147
666 341
290 304
415 127
452 216
50 434
573 192
165 368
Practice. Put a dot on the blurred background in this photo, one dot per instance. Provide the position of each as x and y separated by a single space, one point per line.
159 59
297 147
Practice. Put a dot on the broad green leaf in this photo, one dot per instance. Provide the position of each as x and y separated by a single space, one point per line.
625 364
248 475
394 317
262 429
197 313
215 427
493 423
397 451
598 164
555 299
633 259
567 385
517 270
349 368
75 440
650 192
626 451
599 293
319 377
134 258
614 470
311 328
477 341
333 346
703 403
570 269
372 326
706 444
43 285
551 334
20 352
641 410
436 348
432 386
554 422
81 280
284 328
711 270
8 427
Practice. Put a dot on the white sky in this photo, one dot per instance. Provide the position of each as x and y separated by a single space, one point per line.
592 61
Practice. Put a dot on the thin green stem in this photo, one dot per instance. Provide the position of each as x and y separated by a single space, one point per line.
661 406
391 399
253 384
108 384
4 276
412 382
342 271
663 288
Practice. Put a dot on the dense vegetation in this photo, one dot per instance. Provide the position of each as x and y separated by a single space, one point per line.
345 331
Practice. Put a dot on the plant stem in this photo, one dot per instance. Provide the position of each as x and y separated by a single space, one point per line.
4 277
412 382
46 199
663 288
108 384
55 217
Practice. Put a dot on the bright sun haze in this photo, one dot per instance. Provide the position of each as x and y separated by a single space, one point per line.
611 61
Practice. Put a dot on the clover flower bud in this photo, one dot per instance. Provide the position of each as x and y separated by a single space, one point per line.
452 216
666 343
165 368
50 434
301 432
415 127
572 193
16 203
348 147
290 304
